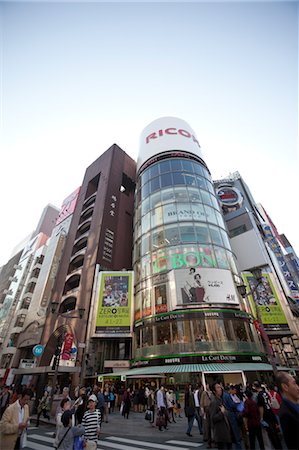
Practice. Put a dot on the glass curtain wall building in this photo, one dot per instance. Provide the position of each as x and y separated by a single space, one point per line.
186 302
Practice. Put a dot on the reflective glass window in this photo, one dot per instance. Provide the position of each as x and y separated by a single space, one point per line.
200 331
187 233
145 223
232 263
225 239
145 244
181 194
146 266
155 184
181 333
145 176
201 182
166 180
145 191
216 330
190 179
146 305
210 187
193 211
240 330
221 258
156 217
172 236
168 196
220 219
176 164
206 173
187 165
165 166
137 304
137 250
160 299
170 213
160 260
210 214
198 169
155 200
153 171
202 234
163 333
147 336
215 202
206 197
145 206
229 329
158 238
194 194
215 235
178 178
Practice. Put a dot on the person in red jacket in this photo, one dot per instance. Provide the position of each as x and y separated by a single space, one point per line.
252 420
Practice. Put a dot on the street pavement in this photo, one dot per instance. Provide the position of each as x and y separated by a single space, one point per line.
134 433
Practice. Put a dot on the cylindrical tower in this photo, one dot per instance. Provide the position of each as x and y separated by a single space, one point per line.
186 303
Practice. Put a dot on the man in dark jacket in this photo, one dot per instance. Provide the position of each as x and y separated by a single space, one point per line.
289 409
219 418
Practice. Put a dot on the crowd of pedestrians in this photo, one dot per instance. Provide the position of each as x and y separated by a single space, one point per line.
231 416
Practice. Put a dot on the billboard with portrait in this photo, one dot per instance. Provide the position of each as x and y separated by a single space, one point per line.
265 298
114 309
197 285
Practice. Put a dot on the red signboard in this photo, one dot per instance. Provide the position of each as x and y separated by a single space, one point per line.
67 348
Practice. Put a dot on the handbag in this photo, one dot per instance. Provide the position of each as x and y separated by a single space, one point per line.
148 415
90 445
78 443
160 420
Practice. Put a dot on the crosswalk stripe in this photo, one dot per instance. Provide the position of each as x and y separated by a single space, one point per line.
144 444
38 437
49 433
189 444
36 446
32 428
115 446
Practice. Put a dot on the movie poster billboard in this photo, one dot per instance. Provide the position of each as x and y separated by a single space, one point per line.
197 285
114 311
265 298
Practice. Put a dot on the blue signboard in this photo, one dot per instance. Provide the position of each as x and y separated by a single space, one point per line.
38 350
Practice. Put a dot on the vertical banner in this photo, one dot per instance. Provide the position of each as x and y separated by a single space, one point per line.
67 347
266 300
114 303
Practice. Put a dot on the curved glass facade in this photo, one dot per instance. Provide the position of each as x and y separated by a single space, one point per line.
182 257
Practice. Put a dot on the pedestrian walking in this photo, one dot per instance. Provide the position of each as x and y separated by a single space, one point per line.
14 423
43 407
289 409
205 402
161 420
68 432
230 402
252 421
219 418
80 405
189 409
198 415
127 404
92 423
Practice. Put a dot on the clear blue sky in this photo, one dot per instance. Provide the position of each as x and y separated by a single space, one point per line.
75 78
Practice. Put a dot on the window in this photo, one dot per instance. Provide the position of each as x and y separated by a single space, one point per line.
165 166
145 191
153 171
187 165
178 178
187 234
163 333
155 184
181 194
202 233
210 214
168 196
156 217
199 329
181 332
25 303
215 235
20 320
145 223
190 179
225 239
240 330
172 235
201 182
147 336
238 230
194 195
145 206
175 165
145 244
206 198
198 169
155 200
160 299
166 180
158 238
221 258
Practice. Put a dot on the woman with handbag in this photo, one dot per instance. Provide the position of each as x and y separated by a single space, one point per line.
68 433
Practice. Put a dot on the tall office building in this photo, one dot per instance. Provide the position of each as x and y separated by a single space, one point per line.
99 238
187 313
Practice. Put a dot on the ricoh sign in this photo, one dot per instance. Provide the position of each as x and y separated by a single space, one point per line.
167 134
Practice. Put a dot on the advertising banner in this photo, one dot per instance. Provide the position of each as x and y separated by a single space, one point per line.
266 300
67 348
199 285
114 303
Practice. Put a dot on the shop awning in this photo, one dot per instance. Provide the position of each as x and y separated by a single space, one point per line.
181 368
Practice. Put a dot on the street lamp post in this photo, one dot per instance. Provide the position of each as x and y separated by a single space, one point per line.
60 341
257 274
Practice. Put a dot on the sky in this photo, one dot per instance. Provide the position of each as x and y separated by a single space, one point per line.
78 77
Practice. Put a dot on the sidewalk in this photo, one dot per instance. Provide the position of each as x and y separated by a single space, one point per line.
137 426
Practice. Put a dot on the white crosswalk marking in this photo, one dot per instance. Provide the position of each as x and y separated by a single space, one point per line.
188 444
39 437
115 446
152 445
37 445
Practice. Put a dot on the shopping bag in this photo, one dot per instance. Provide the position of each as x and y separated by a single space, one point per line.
78 443
148 415
160 421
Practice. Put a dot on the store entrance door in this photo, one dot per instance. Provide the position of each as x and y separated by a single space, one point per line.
224 378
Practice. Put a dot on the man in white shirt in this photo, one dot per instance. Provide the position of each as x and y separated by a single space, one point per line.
198 416
162 410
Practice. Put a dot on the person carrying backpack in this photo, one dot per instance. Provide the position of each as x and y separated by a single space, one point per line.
275 399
